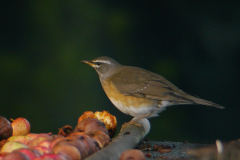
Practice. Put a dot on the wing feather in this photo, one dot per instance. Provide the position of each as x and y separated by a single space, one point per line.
142 83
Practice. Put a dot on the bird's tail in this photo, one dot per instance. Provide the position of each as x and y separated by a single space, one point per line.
205 102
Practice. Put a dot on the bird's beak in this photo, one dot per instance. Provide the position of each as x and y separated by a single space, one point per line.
89 63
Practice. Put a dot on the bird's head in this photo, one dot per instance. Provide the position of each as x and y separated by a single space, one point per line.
103 65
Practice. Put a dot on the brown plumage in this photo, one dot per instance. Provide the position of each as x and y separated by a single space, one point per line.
141 83
139 92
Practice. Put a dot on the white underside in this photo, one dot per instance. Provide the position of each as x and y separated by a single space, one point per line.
142 110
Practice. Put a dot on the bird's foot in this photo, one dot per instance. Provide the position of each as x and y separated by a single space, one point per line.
135 120
131 123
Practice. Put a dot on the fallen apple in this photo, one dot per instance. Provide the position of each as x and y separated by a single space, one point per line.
2 142
80 145
109 120
90 124
15 155
86 114
55 136
22 139
39 139
11 146
90 144
45 144
68 150
21 127
55 142
36 135
102 138
52 157
5 128
29 153
1 157
42 150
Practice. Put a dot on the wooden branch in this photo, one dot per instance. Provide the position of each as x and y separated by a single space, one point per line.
129 136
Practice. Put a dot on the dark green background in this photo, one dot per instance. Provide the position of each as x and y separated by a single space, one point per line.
195 45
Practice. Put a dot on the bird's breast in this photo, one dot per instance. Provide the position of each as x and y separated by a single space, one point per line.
128 104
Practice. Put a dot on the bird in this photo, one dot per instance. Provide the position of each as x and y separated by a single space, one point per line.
139 92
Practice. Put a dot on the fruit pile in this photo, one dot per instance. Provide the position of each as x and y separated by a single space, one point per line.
92 133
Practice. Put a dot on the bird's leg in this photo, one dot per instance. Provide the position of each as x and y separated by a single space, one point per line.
135 119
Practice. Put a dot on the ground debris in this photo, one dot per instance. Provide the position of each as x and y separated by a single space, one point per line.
188 151
166 150
162 148
144 146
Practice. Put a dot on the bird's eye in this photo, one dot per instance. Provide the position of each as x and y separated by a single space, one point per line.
98 63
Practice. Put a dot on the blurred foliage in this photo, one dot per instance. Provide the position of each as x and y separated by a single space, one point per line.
193 44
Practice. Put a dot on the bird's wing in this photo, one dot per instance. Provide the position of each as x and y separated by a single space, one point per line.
142 83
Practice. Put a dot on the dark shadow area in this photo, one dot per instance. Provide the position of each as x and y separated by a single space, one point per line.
195 45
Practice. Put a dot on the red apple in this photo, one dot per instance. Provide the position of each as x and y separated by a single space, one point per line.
90 144
5 128
53 157
1 157
36 135
55 142
11 146
22 139
45 144
68 150
77 133
102 138
15 155
56 136
76 143
2 142
42 150
39 139
29 153
21 127
32 135
90 124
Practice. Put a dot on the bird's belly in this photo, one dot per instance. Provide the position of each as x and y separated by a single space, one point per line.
131 108
130 105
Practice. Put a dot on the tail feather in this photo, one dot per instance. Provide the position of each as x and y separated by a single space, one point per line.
205 102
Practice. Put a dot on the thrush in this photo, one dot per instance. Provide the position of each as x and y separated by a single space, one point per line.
138 92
